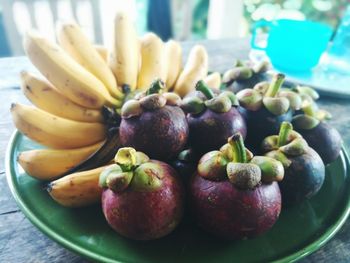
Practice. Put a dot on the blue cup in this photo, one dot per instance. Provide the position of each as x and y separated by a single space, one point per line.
293 45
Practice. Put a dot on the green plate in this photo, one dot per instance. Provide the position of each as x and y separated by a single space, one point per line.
298 232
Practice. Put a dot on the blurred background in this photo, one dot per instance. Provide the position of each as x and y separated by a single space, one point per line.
179 19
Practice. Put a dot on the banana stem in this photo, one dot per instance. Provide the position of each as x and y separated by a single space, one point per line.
156 86
238 149
285 129
202 87
275 85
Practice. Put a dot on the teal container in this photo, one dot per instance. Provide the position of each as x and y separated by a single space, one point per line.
293 45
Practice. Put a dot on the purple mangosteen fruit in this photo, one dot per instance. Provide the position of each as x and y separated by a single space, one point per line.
265 107
212 118
154 123
245 75
142 199
304 169
235 195
186 164
320 136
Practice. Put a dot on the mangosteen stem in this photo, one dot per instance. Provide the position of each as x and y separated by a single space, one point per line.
156 86
126 158
202 87
275 85
285 129
238 149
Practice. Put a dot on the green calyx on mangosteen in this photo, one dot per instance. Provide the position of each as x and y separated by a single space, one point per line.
245 75
322 137
235 163
304 169
131 169
154 123
218 103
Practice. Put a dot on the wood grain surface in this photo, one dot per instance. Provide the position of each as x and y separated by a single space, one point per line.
20 241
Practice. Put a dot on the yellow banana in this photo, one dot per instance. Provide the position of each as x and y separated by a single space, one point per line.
195 69
102 51
152 61
173 62
125 53
213 80
75 43
77 189
53 131
75 82
46 97
48 164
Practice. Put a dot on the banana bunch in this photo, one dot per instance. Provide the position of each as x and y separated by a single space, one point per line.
79 82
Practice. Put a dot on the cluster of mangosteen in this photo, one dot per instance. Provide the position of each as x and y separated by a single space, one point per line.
195 147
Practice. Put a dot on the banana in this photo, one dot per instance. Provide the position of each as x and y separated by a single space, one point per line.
152 61
53 131
213 80
48 164
125 53
66 74
75 43
173 62
46 97
102 51
77 189
195 69
103 155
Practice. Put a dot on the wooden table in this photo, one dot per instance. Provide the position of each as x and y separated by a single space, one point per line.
20 241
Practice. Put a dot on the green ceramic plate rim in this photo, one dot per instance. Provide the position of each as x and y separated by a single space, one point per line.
307 250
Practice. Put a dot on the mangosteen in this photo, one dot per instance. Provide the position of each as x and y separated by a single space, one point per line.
320 136
245 75
304 169
186 163
212 118
265 107
142 199
154 123
235 195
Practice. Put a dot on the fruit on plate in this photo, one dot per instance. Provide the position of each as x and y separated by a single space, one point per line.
77 189
72 39
67 75
234 195
124 58
102 155
320 136
196 68
213 80
48 164
212 118
309 106
186 163
304 169
173 62
152 61
142 199
245 75
154 123
53 131
46 97
264 109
